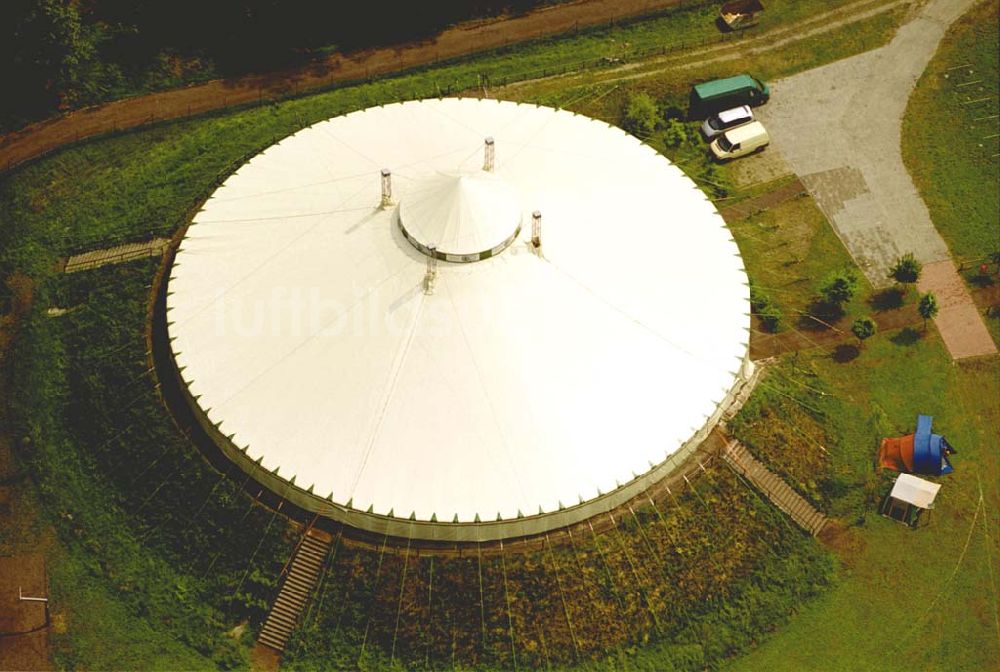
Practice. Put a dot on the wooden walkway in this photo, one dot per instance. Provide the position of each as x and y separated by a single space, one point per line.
780 493
116 255
296 589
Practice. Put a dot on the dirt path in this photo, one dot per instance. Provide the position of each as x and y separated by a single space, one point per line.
818 24
765 201
24 636
23 625
467 38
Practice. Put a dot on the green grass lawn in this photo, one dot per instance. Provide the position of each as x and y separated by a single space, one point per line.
950 141
693 24
146 182
155 547
95 629
600 92
905 599
787 250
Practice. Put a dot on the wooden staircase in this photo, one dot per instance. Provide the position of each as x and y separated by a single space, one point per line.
774 488
300 577
115 255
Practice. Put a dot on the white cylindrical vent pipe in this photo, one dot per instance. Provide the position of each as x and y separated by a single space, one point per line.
489 157
386 187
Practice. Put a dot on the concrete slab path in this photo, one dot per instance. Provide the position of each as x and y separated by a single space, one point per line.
839 128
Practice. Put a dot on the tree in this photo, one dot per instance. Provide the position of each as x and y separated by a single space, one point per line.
906 270
47 56
641 115
839 287
928 307
863 328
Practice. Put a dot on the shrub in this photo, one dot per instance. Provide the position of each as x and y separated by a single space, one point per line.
863 328
641 116
906 270
676 134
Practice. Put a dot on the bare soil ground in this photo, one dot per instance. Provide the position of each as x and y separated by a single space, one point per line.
24 637
463 39
817 24
767 200
23 631
264 659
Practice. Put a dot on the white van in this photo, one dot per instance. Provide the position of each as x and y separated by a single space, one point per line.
723 121
740 141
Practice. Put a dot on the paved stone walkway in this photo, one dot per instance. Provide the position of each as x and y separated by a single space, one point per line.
959 319
838 127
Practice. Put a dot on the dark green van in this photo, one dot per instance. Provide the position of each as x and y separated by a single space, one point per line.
722 94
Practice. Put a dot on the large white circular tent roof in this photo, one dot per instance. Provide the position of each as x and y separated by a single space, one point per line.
525 382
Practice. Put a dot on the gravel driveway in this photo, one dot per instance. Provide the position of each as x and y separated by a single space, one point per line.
838 128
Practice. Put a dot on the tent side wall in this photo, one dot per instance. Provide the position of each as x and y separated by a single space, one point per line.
897 453
469 532
924 459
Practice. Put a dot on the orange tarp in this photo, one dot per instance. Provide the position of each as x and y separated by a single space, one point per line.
896 453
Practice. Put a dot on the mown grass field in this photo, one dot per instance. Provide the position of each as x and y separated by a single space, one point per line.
126 583
950 141
951 144
894 606
599 92
788 250
904 599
